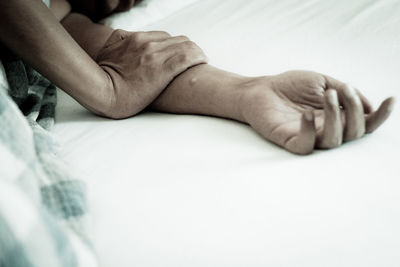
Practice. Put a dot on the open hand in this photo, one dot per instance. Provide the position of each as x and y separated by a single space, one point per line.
303 110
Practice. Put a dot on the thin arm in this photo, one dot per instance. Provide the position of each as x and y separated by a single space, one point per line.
31 31
202 89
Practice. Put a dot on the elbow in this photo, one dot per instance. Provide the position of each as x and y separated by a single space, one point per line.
114 115
106 108
118 106
119 111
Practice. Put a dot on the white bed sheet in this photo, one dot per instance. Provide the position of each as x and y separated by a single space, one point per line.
180 190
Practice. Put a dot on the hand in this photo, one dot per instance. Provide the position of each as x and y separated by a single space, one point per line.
302 110
140 65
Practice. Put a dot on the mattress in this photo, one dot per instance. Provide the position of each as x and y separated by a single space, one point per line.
185 190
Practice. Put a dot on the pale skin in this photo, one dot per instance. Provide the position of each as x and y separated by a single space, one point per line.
117 74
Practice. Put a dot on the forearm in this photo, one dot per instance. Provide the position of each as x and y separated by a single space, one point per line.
92 38
89 35
204 90
31 31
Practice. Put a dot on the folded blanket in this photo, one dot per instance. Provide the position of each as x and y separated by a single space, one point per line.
42 203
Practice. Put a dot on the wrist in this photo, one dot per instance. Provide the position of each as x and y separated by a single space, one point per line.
99 95
206 90
253 90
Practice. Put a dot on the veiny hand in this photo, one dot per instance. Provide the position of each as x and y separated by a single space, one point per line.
303 110
141 65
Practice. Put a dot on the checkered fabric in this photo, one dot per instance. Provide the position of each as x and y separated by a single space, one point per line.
42 203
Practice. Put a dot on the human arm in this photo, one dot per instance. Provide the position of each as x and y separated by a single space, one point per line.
32 32
297 110
140 64
293 109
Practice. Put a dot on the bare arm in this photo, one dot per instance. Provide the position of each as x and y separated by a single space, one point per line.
148 61
32 32
299 110
131 72
202 89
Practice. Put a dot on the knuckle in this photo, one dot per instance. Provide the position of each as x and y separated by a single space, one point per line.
121 34
165 33
202 57
137 36
191 50
182 37
149 46
115 37
187 46
190 44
